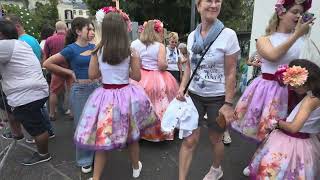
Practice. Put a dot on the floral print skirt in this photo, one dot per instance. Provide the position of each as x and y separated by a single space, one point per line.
112 118
284 157
161 87
263 101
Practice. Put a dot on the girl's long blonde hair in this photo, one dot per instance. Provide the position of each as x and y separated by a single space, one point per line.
149 35
273 24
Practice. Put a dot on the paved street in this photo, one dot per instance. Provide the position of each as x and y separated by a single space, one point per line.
160 160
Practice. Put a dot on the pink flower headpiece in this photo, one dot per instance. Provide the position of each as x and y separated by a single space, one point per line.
281 4
293 76
158 25
105 10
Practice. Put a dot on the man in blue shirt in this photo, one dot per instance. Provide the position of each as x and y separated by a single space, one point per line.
23 36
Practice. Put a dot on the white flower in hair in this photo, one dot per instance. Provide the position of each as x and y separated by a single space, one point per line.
100 15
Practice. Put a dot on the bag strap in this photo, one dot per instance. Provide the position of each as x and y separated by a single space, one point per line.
201 59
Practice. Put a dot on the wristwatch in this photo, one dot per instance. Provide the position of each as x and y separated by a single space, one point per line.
228 103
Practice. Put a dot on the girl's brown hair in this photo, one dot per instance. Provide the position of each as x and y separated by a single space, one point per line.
77 24
114 39
149 35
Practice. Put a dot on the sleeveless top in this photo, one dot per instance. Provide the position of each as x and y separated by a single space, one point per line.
277 39
114 74
148 54
312 124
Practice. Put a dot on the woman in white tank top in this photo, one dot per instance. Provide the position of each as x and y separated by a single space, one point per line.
264 98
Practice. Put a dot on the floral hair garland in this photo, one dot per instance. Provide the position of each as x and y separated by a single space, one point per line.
280 9
105 10
158 25
294 76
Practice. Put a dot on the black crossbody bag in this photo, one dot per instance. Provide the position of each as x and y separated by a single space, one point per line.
201 59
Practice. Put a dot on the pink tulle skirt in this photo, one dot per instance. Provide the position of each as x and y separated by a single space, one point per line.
162 88
285 157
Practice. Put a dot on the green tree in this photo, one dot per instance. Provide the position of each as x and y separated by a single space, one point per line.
27 18
175 14
34 20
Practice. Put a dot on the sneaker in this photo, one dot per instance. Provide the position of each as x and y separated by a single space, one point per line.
214 174
68 112
35 159
33 141
86 169
246 171
90 178
51 135
30 140
136 172
9 135
226 138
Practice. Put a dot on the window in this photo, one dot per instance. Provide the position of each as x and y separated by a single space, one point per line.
74 12
80 12
88 13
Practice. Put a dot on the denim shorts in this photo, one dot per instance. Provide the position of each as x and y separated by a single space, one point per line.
31 117
209 106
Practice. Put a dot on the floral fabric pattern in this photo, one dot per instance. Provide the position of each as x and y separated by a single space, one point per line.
112 118
263 102
285 157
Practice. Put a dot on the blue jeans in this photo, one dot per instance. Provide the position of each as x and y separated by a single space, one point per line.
79 94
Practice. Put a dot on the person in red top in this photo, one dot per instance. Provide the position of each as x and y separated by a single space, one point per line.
54 44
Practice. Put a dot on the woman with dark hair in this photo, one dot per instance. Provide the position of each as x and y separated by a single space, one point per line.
292 151
77 53
26 89
46 32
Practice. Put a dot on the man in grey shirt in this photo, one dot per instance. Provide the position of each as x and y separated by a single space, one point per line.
25 87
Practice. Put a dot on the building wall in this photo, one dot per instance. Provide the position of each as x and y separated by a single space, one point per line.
67 13
18 3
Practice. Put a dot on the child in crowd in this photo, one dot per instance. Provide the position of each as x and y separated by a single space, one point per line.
292 150
115 114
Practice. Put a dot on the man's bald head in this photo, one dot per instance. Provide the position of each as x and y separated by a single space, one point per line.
61 26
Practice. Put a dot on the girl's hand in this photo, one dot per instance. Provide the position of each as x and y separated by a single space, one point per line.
303 28
71 76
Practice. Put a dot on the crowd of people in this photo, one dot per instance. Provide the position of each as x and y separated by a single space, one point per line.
118 91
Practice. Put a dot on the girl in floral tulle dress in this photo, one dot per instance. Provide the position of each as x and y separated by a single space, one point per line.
292 151
117 113
264 99
160 85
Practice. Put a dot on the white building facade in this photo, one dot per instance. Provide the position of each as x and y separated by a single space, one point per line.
68 11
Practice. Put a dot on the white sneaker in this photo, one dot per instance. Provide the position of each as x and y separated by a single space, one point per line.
226 138
90 178
86 169
214 174
246 171
136 172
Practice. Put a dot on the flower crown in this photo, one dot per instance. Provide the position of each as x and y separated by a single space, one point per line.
280 9
158 25
293 76
105 10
